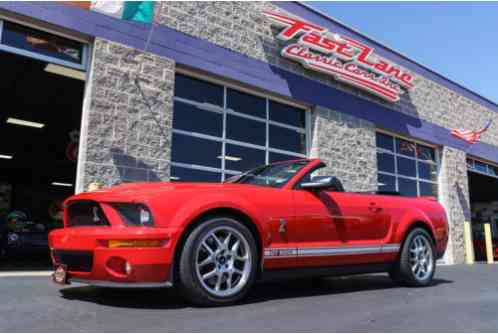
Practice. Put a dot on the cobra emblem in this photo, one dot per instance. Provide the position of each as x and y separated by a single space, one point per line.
283 226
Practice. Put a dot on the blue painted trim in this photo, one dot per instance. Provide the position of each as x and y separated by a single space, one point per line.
205 56
315 17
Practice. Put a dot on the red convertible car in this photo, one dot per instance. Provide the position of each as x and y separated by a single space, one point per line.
214 241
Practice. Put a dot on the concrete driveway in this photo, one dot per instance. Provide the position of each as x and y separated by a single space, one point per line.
463 298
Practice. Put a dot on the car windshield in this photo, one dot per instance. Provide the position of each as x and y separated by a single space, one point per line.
274 175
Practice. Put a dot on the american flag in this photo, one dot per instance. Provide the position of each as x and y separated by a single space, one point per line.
470 136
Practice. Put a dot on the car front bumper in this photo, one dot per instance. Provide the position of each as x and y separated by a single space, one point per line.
86 253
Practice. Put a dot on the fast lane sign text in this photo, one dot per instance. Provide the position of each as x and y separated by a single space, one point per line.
344 58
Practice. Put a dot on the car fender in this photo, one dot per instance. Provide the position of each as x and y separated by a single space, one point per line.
198 205
411 217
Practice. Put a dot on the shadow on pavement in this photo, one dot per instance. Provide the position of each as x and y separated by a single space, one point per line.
262 292
25 262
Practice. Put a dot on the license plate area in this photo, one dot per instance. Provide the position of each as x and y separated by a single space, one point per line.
60 274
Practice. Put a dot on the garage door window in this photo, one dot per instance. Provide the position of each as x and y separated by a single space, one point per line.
482 167
406 167
42 45
219 131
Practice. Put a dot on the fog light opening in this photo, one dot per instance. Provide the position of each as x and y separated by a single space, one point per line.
117 266
128 268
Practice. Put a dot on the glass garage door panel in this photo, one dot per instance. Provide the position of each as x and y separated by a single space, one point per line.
288 115
187 117
385 142
405 166
405 147
179 174
277 157
386 183
241 159
428 189
407 187
196 151
219 130
246 130
426 153
287 139
246 104
54 48
427 171
198 90
385 162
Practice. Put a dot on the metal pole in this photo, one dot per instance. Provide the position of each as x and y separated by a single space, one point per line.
469 247
489 243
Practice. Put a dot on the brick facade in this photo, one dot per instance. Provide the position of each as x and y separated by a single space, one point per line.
126 130
124 141
347 145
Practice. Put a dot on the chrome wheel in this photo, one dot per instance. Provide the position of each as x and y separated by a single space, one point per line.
421 257
223 261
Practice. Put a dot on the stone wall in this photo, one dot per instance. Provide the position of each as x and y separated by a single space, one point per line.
241 27
454 192
347 145
126 127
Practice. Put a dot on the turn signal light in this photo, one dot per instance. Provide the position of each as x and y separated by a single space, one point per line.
134 243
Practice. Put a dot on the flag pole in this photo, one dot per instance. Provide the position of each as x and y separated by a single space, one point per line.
136 79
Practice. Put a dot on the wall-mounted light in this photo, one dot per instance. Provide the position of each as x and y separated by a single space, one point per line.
5 156
22 122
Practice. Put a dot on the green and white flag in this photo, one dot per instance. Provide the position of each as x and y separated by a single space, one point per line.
139 11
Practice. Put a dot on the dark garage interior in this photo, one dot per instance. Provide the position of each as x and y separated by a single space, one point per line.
39 133
483 191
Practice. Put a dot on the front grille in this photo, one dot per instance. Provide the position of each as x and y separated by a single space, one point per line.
85 213
74 260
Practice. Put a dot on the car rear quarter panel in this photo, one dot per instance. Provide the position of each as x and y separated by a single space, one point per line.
406 212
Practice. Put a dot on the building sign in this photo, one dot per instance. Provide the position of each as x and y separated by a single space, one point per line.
346 59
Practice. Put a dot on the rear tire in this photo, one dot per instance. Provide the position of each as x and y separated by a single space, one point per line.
417 261
218 262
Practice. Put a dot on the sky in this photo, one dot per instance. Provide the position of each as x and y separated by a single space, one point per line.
457 40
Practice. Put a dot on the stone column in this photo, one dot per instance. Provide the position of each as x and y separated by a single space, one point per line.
347 145
127 117
454 196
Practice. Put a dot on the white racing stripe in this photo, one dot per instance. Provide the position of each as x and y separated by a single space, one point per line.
329 251
40 273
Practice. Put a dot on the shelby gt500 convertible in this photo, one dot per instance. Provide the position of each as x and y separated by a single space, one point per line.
215 240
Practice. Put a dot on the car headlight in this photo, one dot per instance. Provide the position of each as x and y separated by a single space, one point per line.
134 214
145 216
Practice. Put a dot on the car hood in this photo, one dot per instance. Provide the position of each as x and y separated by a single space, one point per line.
143 190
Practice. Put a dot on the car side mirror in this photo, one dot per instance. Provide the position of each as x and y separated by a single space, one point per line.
321 183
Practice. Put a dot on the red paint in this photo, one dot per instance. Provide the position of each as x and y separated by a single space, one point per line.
313 220
344 58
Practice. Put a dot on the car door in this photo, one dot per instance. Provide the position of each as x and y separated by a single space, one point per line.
361 218
307 228
333 228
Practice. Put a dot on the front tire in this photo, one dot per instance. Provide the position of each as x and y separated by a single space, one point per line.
218 263
417 263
